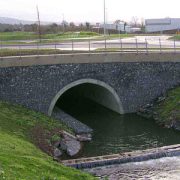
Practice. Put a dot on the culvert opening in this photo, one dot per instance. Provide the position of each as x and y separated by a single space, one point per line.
87 95
83 97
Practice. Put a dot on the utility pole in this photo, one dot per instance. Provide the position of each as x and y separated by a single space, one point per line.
39 24
63 24
105 24
104 18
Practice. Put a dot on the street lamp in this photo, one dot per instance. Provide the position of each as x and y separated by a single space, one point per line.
105 24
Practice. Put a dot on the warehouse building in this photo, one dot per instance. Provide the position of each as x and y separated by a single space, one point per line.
169 25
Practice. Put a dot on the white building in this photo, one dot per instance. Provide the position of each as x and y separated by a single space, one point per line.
160 25
118 27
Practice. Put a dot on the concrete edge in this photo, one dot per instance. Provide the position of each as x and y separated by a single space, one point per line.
136 156
87 58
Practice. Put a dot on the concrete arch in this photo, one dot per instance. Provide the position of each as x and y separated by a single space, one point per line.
117 105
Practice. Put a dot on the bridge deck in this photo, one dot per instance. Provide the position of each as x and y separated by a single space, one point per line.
88 58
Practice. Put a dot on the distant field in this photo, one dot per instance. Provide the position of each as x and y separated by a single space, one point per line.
30 37
11 36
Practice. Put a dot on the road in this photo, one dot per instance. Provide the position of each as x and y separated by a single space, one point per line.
144 42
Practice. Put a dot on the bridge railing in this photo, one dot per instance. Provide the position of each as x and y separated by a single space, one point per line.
88 45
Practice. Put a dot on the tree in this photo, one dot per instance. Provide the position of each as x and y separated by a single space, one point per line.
88 25
72 25
125 24
142 25
81 26
117 23
54 27
134 21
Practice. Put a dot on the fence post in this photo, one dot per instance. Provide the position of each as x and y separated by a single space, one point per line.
136 46
174 46
89 45
37 48
121 45
1 49
72 46
55 50
20 55
105 43
160 46
146 46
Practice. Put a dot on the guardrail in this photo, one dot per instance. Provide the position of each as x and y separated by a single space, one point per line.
35 47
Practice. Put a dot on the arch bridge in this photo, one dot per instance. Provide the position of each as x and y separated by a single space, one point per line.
121 82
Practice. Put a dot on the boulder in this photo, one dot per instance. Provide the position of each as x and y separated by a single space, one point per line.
57 144
176 125
84 137
73 147
57 153
70 144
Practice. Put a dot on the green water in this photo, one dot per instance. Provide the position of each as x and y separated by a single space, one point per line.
114 133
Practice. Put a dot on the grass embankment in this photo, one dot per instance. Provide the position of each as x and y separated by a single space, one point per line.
23 52
20 130
175 37
11 36
7 38
168 111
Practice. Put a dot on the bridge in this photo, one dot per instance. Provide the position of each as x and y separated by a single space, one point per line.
122 82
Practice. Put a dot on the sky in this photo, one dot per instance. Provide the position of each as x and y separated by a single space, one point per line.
89 10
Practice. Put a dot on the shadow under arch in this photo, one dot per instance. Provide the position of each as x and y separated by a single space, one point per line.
110 100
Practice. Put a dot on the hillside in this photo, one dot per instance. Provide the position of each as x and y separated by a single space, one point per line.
167 110
13 21
20 156
7 20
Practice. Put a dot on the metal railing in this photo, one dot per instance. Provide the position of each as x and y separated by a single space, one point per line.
88 45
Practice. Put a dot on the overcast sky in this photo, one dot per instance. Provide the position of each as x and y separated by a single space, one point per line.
89 10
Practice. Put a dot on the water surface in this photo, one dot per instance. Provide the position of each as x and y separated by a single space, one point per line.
114 133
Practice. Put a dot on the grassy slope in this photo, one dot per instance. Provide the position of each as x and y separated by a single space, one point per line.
175 37
19 157
169 109
17 37
29 35
36 52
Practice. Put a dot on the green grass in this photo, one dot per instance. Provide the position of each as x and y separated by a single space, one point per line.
175 37
19 158
18 37
111 36
23 52
10 36
169 109
7 36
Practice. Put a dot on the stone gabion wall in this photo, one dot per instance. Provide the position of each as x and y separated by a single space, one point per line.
137 84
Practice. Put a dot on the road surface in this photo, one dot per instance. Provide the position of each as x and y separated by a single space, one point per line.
140 42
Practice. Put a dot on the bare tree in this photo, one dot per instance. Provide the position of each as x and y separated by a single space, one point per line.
134 21
88 25
72 25
142 25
